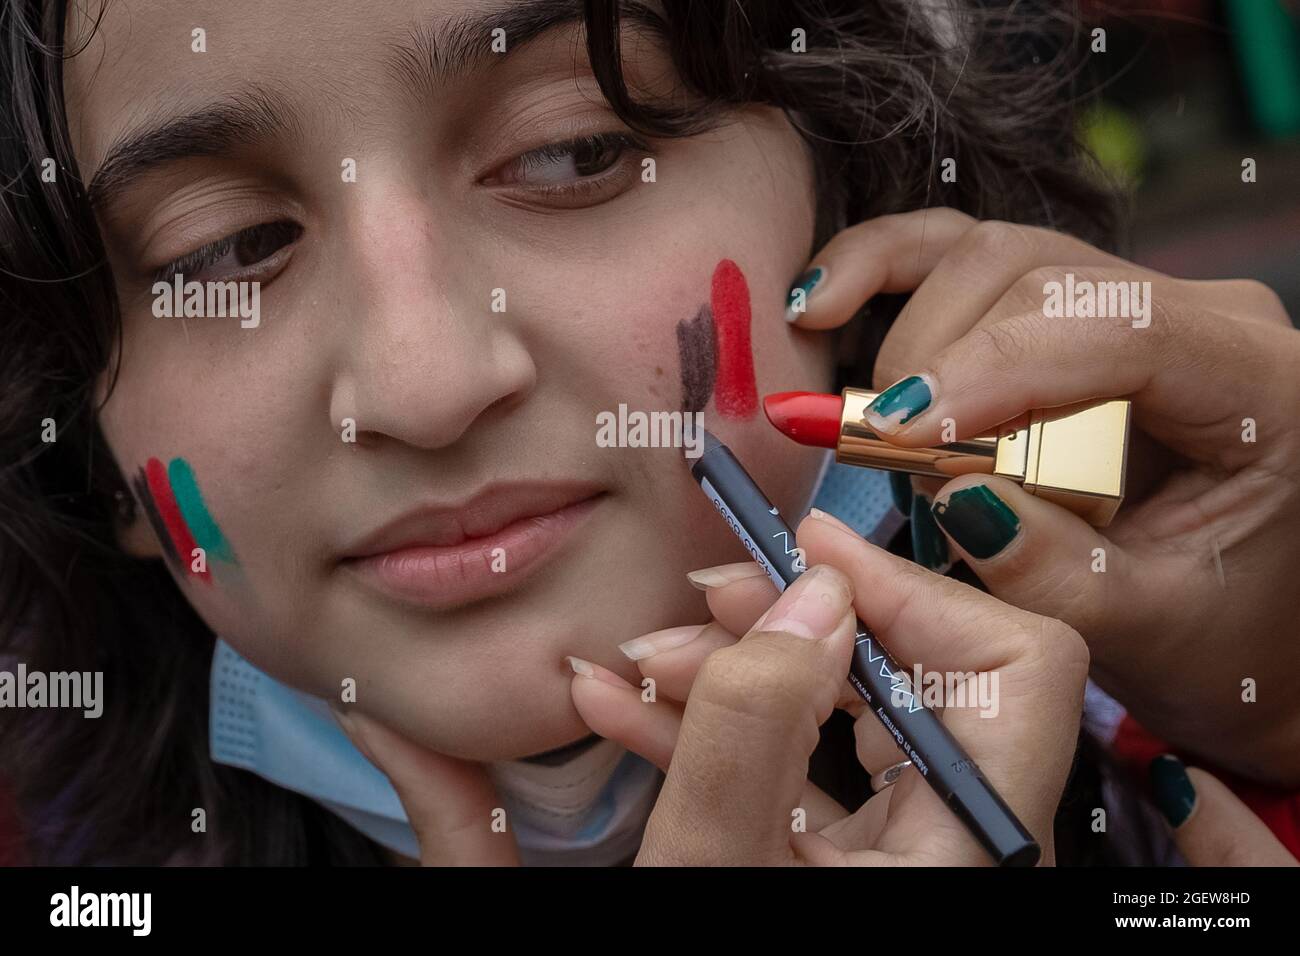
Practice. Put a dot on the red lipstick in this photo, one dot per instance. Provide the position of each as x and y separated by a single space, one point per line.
810 418
1075 456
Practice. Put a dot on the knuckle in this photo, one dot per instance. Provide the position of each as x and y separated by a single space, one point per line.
1032 286
1262 298
745 683
993 239
1008 340
1053 651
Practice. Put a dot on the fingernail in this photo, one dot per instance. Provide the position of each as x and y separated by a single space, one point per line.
929 546
595 672
900 489
724 574
899 404
796 303
812 607
648 645
1172 789
978 520
830 519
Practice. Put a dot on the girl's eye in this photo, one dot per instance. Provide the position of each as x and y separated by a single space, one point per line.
582 171
235 254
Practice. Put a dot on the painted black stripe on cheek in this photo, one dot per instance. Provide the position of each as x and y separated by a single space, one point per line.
695 352
141 488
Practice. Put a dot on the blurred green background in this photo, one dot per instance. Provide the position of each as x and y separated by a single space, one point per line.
1190 89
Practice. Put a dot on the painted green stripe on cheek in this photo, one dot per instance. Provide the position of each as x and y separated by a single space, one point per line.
206 533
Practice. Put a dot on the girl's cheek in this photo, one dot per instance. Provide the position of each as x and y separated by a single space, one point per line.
193 541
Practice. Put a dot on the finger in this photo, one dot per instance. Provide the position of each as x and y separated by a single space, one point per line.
1020 724
737 594
886 254
1211 826
749 728
1246 299
650 726
1032 553
671 658
450 803
1184 373
635 717
979 270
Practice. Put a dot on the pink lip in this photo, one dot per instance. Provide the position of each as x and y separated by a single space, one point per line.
445 557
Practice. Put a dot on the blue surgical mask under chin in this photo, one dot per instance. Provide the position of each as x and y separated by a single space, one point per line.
588 810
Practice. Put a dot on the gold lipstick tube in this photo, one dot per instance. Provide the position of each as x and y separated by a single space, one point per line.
1074 455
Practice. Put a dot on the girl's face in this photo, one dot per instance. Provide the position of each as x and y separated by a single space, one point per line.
391 467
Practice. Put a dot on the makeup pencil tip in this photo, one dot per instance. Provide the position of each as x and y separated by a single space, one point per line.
707 444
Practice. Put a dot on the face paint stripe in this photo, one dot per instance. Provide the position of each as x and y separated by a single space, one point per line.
736 392
141 488
197 517
695 348
171 515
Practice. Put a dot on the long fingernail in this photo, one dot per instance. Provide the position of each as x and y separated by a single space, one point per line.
900 489
830 519
595 672
929 546
724 574
797 301
978 520
648 645
899 404
812 607
1172 789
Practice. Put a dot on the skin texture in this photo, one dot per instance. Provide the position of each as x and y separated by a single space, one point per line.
380 311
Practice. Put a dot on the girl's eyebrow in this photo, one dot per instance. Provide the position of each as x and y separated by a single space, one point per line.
428 59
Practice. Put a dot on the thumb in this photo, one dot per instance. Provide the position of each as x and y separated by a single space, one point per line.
1211 826
449 802
1030 552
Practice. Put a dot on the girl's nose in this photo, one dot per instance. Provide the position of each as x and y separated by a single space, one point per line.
427 349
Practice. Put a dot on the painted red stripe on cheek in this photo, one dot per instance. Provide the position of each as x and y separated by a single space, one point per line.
735 392
155 473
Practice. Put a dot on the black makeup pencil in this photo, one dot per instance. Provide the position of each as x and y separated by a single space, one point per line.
883 684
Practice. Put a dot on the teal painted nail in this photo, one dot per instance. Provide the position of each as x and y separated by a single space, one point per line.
1172 789
978 520
907 398
929 546
796 302
900 489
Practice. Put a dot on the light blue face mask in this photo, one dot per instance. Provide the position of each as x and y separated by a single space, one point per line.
292 740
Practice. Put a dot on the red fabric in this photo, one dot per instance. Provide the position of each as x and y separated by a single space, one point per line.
1279 809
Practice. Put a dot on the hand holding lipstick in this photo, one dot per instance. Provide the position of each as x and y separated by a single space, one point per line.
1186 599
735 719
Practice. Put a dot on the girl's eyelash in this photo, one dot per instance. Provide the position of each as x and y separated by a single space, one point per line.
283 232
554 151
199 259
206 256
592 184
